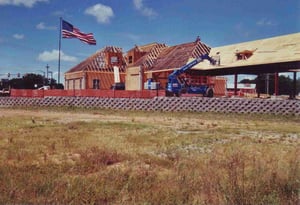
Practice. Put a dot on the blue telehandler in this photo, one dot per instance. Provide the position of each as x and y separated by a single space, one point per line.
177 86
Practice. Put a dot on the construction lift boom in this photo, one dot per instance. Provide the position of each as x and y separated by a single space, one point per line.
176 85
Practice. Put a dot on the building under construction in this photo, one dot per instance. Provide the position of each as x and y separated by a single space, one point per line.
156 61
153 61
97 71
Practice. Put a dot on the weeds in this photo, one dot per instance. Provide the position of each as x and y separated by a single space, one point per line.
104 158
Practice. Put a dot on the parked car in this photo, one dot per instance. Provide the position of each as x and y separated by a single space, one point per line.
45 87
5 92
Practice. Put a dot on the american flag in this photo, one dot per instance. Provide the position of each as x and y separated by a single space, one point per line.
69 31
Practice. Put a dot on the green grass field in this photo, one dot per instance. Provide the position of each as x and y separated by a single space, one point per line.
77 156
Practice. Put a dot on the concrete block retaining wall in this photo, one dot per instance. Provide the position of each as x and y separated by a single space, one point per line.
192 104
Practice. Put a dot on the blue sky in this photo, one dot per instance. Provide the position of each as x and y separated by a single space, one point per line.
29 32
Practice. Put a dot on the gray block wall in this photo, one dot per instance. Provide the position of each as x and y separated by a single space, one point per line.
192 104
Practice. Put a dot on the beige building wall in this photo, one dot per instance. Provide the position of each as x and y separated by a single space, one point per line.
133 80
73 84
74 81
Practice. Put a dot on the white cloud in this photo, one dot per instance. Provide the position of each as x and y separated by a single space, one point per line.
47 56
101 12
26 3
146 11
138 4
18 36
42 26
265 22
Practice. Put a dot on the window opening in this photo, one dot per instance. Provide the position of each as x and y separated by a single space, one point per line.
96 84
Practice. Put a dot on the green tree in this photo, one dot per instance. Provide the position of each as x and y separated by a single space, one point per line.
32 81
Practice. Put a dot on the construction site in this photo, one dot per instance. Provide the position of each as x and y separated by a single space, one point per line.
186 72
149 67
157 126
140 102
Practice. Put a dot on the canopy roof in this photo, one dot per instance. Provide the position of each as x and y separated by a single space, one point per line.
277 54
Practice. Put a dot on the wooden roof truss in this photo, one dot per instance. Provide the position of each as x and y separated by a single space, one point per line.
98 61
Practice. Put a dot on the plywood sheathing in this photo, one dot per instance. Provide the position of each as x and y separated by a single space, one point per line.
276 50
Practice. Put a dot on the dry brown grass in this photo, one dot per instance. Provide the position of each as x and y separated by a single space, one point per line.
78 156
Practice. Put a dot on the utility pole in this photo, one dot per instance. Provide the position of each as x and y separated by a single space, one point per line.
47 70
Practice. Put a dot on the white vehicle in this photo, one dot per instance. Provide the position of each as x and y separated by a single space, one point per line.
5 92
45 87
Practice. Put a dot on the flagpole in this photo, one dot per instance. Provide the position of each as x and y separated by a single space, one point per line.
59 48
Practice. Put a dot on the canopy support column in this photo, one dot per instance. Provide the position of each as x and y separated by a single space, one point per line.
235 84
294 85
276 86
